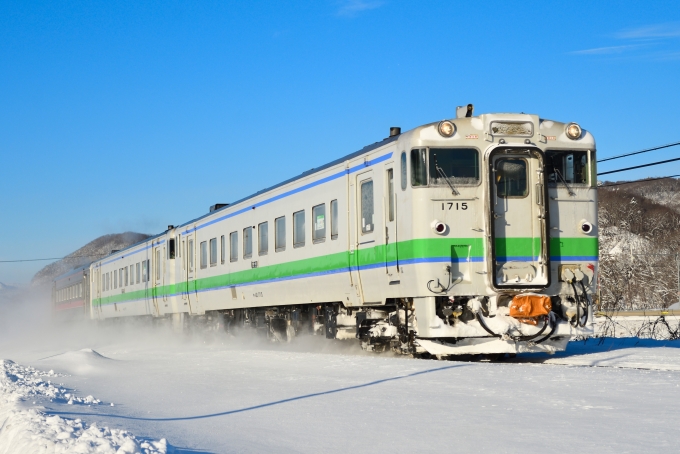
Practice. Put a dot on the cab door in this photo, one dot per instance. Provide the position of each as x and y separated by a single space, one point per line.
519 246
369 252
156 278
390 205
189 293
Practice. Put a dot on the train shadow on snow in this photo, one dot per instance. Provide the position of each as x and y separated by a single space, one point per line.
265 405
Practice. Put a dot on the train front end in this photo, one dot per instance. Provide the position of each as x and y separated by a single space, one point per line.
505 207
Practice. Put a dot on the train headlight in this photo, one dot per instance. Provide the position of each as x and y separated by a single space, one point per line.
446 128
573 131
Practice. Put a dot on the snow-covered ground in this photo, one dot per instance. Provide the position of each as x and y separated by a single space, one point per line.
210 393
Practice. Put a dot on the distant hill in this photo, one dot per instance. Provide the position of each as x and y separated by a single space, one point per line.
87 254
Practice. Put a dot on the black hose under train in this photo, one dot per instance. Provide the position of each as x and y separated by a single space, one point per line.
518 338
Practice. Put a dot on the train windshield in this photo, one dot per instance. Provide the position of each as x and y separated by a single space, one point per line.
433 166
566 166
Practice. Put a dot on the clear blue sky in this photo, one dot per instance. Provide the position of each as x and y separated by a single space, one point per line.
120 116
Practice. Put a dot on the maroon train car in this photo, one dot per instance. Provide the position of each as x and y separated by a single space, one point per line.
71 294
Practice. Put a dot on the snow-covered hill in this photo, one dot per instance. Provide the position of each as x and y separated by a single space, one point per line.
86 254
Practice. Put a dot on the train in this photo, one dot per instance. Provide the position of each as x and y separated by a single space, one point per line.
470 235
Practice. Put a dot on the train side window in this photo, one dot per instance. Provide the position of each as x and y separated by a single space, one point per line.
137 267
299 229
263 238
171 248
233 246
280 234
213 252
148 269
247 242
144 271
223 249
203 250
419 167
190 254
390 193
103 282
115 280
319 223
367 206
126 275
334 219
403 170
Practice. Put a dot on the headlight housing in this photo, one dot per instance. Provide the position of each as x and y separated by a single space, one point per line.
446 128
573 131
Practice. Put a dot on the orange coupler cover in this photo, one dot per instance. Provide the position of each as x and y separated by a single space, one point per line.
528 307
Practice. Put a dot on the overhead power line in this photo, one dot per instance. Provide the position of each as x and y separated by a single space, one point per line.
639 167
639 152
51 258
637 181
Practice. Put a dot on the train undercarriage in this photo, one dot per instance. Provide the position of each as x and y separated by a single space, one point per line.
451 325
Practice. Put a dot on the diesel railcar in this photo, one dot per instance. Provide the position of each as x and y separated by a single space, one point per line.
472 235
71 294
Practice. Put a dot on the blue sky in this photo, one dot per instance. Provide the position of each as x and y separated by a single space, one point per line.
120 116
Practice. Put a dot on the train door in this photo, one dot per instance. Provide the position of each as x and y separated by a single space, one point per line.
156 278
369 254
190 268
390 213
520 256
96 298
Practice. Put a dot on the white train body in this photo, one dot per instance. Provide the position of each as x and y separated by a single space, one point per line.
388 248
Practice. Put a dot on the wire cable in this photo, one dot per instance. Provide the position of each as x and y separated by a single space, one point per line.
639 167
639 152
52 258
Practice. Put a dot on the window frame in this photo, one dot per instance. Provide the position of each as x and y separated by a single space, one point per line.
361 206
260 250
591 171
526 174
335 224
278 248
223 249
212 249
248 242
427 168
389 177
233 246
203 255
318 240
302 224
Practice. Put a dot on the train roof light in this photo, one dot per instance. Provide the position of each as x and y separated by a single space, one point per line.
446 128
573 131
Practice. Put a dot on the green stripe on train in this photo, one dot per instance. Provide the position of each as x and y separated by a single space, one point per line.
456 248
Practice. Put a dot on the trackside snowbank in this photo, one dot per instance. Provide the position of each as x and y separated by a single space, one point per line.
32 431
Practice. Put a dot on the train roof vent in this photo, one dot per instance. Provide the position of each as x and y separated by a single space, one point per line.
395 131
113 251
217 206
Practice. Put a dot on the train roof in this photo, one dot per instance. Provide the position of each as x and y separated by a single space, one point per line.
307 173
77 270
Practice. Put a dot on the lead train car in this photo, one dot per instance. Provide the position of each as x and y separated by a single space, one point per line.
475 235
